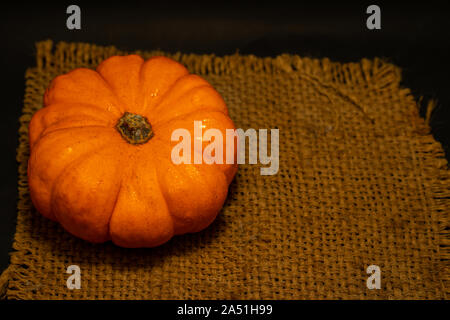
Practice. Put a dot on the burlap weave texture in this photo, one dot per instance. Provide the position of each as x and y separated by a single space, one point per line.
361 182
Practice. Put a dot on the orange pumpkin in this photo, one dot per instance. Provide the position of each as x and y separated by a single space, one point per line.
100 161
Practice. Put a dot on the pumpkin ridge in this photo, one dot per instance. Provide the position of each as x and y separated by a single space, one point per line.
115 204
168 88
165 143
158 124
74 123
51 189
70 165
185 93
164 95
128 175
155 169
74 105
50 214
53 108
56 131
196 224
166 201
122 73
119 100
44 132
125 169
213 115
79 160
36 124
71 77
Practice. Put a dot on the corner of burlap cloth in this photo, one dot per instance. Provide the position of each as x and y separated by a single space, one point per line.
361 181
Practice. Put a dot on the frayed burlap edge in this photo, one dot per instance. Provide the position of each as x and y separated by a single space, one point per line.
377 74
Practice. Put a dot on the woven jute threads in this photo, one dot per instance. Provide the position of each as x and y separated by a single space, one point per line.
361 182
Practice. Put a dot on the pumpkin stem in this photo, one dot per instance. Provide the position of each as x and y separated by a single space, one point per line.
134 128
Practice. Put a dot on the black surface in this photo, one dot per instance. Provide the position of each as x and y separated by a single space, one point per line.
413 36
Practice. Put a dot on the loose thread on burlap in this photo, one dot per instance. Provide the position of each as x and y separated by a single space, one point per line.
327 87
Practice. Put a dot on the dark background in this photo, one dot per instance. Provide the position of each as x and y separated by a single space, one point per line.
413 36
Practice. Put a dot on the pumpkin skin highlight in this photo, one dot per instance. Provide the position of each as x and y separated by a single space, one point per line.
85 175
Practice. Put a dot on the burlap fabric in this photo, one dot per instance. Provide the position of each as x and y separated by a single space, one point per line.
361 182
